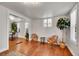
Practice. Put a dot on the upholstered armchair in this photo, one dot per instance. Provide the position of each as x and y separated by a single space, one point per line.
34 37
52 40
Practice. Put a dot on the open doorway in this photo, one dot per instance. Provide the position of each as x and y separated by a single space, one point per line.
18 27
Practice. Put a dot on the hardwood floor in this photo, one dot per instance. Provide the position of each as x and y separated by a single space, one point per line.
30 48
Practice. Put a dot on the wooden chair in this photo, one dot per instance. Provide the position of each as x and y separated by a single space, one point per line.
52 40
34 37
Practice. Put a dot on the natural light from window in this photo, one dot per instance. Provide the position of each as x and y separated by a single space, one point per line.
26 25
73 24
47 22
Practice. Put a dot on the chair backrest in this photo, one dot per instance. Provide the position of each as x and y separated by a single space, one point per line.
53 39
34 37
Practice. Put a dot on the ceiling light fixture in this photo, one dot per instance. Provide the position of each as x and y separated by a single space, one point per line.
32 3
11 17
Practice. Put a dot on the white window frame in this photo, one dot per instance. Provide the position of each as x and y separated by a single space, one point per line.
26 25
73 17
47 22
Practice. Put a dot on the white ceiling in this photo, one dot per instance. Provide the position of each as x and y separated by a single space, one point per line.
42 10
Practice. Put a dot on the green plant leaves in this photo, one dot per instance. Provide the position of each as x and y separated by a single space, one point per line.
13 27
63 23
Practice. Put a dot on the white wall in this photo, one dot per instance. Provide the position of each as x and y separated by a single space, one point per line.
4 36
22 24
40 30
77 27
4 26
69 41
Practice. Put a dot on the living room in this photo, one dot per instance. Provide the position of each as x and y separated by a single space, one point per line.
38 28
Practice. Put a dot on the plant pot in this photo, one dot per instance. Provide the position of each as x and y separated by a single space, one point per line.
62 44
27 39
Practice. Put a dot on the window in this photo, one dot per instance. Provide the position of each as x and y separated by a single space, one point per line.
18 27
73 24
47 22
26 25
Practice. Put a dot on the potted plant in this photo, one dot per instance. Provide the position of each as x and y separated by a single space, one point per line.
27 35
63 23
13 29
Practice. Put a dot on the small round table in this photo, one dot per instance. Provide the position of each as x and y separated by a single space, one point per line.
42 39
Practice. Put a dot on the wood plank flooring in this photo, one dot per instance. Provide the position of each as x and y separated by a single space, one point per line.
30 48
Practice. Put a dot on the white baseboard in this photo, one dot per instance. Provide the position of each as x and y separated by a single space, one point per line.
3 50
21 37
72 52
